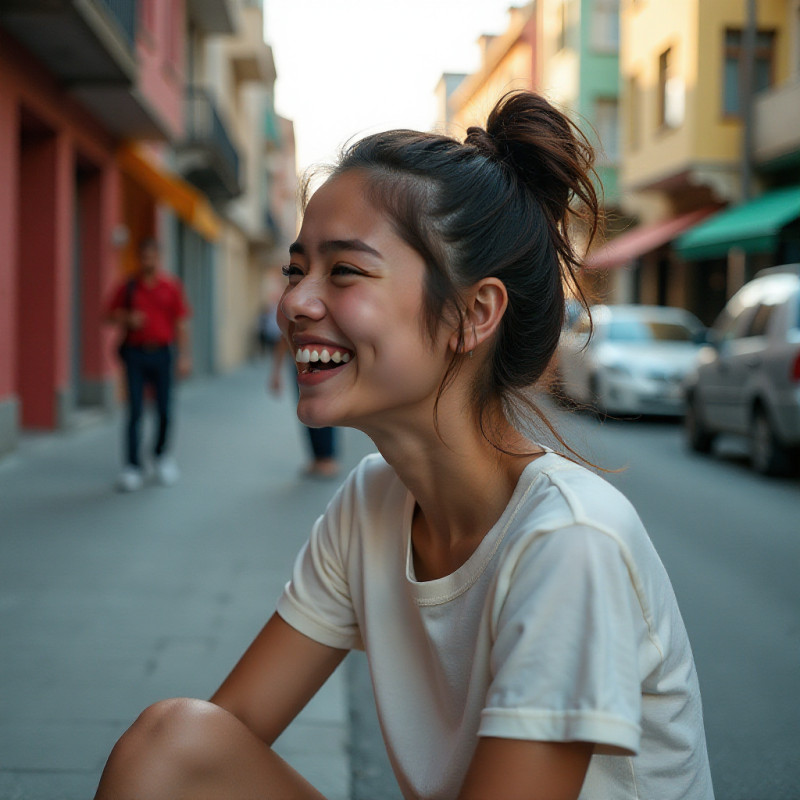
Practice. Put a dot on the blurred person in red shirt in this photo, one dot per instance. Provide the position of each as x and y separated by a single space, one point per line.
151 312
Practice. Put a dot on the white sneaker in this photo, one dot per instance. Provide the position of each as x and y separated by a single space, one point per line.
167 472
130 479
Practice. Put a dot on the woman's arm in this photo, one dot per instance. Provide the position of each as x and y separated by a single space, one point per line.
517 769
275 678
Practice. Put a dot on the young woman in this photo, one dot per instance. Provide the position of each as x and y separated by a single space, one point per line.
523 638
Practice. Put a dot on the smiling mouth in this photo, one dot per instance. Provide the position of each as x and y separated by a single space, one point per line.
319 359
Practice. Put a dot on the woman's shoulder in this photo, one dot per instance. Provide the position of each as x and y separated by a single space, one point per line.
562 493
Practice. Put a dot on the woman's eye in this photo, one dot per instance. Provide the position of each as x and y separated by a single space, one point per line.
345 269
292 272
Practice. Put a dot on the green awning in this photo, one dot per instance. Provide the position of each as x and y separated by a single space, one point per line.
754 227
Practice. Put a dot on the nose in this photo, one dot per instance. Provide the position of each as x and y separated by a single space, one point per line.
305 299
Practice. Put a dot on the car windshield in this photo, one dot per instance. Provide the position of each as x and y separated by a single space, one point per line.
641 330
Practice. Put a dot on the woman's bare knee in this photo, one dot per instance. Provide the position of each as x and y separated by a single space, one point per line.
171 744
192 748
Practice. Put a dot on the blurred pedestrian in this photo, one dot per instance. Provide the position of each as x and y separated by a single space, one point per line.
324 463
267 331
522 635
151 312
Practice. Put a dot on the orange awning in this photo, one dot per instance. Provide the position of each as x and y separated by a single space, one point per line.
189 204
644 239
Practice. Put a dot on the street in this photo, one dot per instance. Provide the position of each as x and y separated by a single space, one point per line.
109 602
730 540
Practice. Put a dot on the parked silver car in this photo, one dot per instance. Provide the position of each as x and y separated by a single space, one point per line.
635 361
747 380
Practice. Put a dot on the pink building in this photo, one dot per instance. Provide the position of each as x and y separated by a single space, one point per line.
78 83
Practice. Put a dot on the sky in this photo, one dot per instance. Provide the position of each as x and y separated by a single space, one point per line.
351 67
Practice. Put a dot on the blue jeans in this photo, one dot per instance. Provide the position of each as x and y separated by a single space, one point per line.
323 442
154 367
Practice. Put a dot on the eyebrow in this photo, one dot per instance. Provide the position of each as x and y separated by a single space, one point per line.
337 245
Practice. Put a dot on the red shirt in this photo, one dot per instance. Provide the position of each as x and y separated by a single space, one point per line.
162 303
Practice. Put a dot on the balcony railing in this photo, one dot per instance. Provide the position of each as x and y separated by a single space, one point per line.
216 169
91 41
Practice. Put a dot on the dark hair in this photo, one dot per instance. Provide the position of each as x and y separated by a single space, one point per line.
148 243
499 204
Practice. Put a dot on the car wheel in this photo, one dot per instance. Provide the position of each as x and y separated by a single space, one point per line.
699 437
767 455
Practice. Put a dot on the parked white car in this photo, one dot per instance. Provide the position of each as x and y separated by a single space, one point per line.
747 380
635 361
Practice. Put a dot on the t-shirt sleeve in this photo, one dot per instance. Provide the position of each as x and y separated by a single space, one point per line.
564 654
316 601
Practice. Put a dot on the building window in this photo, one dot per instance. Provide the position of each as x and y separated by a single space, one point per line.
634 113
670 92
606 122
605 26
733 73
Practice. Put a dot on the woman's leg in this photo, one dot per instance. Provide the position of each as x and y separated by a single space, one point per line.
194 749
323 446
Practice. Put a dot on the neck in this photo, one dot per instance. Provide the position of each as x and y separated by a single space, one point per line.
461 483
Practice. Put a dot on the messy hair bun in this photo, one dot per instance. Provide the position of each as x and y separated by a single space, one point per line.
499 204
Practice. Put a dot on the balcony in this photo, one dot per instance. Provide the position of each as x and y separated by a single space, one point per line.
213 16
90 47
249 54
80 41
208 158
776 138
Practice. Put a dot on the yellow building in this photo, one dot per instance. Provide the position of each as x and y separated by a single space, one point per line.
681 64
508 62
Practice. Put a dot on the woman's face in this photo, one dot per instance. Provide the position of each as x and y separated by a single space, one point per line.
353 314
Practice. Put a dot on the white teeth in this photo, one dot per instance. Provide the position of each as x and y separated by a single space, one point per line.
307 355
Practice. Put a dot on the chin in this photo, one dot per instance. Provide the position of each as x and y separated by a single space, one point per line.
316 418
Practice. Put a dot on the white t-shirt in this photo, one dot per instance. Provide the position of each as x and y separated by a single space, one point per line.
561 626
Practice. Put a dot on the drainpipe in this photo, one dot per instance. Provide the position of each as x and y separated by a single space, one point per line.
748 90
737 258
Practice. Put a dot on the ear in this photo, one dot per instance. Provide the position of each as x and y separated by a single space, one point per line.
484 305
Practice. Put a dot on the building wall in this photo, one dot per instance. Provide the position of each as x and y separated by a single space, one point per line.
508 63
513 71
161 55
234 315
717 138
598 81
648 30
705 139
239 71
559 54
58 212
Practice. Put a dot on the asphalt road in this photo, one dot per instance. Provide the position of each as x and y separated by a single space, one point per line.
730 540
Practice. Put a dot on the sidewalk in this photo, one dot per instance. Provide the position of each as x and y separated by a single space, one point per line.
109 602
